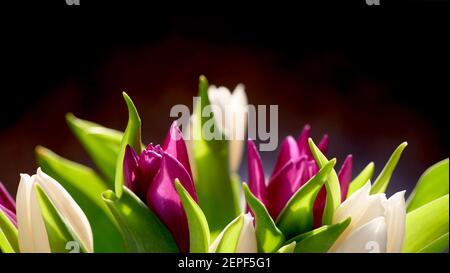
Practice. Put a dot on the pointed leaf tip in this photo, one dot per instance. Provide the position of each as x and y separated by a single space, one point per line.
132 110
203 79
132 137
332 185
362 178
228 240
289 248
383 179
269 238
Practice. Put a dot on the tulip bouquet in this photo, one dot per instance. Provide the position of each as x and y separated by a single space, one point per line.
184 195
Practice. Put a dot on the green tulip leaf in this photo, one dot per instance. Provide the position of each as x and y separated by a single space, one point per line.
101 143
132 137
426 226
141 229
432 184
5 245
238 193
86 188
333 188
297 216
382 181
268 236
289 248
322 239
362 178
214 184
437 246
198 226
58 231
230 238
8 235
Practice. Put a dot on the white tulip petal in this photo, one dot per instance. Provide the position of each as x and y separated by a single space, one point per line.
247 239
238 126
23 213
354 206
32 235
68 208
220 100
369 238
375 208
219 96
188 136
235 156
395 222
239 97
230 112
362 208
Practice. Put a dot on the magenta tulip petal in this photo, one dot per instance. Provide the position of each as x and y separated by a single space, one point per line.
288 151
295 165
130 170
6 199
149 162
305 170
302 141
345 176
319 206
323 144
164 201
174 145
11 215
156 148
280 188
256 179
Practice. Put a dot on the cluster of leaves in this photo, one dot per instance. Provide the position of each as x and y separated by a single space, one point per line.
121 222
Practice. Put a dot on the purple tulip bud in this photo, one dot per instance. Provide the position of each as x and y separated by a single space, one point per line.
164 201
151 175
323 144
174 144
288 151
256 178
302 141
280 188
345 176
294 167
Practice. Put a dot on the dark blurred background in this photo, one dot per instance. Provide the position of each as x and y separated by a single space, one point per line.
370 77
